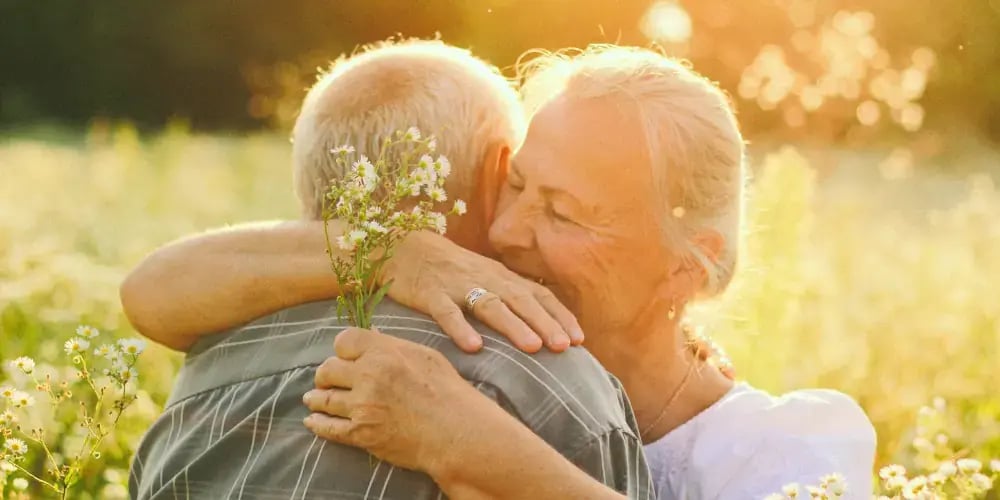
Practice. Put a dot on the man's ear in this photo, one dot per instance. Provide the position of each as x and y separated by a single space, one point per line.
492 175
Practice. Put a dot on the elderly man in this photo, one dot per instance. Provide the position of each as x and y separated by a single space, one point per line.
233 427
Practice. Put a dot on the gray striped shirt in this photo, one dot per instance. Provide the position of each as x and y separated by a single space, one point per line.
233 425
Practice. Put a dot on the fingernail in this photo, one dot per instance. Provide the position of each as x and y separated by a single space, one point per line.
308 420
576 335
306 398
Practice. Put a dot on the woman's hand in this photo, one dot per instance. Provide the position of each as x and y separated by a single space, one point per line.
433 275
404 403
394 398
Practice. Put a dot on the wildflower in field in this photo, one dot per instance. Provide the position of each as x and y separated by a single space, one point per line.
342 149
432 145
76 346
947 469
981 482
995 465
7 417
916 486
132 347
25 364
459 207
16 446
87 332
22 399
891 471
834 484
19 484
792 490
7 467
7 392
106 351
969 465
412 134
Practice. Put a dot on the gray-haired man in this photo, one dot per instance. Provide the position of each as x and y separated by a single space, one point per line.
233 425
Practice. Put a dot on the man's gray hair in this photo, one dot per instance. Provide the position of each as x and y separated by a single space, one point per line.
444 91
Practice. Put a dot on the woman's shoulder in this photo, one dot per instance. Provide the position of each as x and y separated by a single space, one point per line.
763 441
803 410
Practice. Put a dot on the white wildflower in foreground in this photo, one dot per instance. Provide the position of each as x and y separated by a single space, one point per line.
76 346
22 399
380 200
969 465
133 347
16 446
25 364
20 484
87 332
947 469
97 413
995 465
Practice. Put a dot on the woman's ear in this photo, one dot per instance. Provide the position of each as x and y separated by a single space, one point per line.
492 175
708 243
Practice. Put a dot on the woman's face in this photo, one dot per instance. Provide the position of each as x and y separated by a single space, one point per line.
579 211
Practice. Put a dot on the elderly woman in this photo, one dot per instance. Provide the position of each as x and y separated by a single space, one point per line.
625 201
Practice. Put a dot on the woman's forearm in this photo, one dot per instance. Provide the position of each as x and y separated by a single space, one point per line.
223 278
510 462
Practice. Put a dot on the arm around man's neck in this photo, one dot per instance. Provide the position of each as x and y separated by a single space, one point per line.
224 278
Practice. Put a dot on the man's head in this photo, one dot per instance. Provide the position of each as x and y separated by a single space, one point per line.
464 102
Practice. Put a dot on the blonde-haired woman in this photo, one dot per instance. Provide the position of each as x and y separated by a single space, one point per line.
626 201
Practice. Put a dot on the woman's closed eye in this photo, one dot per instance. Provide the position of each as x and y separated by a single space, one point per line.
561 215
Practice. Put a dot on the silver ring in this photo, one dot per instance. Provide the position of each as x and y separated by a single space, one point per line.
473 296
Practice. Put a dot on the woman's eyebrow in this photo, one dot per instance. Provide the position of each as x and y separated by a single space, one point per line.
552 193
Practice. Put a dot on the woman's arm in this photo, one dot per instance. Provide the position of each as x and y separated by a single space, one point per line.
406 404
224 278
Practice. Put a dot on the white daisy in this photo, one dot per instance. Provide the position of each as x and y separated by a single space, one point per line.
22 399
87 332
412 133
134 347
76 345
345 149
968 465
443 166
25 364
16 446
459 207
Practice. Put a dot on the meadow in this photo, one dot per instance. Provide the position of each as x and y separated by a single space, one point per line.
874 277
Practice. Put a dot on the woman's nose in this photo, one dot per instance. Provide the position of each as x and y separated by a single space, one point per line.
512 228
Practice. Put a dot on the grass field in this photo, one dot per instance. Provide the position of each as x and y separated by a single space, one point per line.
884 289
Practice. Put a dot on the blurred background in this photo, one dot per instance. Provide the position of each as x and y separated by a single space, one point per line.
873 246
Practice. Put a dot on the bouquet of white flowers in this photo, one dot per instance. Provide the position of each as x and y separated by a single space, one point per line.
381 200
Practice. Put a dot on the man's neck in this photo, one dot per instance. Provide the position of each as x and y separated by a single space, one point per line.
665 383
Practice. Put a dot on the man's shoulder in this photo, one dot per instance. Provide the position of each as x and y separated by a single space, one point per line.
562 394
545 390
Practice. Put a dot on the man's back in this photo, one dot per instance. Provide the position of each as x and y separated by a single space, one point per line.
233 426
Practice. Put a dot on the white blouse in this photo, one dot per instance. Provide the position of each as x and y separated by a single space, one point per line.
750 444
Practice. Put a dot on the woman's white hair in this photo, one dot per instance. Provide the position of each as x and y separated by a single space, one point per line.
697 152
440 89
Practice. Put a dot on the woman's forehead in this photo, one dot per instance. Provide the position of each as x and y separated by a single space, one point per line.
586 141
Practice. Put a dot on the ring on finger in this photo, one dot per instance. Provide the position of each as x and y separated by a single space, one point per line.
474 296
